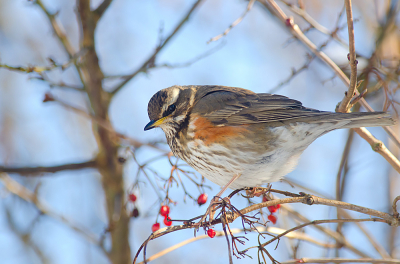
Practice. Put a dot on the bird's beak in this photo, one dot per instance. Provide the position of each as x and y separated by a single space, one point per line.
154 123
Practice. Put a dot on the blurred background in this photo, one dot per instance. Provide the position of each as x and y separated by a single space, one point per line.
259 54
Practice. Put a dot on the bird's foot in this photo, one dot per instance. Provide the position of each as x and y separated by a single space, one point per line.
257 191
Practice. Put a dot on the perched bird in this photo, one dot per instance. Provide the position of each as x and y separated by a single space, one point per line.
237 138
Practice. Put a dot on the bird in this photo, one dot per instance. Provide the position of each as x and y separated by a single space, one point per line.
237 138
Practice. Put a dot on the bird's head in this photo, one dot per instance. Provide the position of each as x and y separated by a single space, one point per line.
168 108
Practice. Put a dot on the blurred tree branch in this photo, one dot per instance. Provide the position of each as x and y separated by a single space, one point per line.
14 187
376 145
150 62
33 171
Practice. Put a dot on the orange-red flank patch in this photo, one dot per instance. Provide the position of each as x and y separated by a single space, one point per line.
209 133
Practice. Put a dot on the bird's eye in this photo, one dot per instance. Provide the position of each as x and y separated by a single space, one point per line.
170 109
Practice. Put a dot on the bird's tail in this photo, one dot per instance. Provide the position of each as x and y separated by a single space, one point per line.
366 119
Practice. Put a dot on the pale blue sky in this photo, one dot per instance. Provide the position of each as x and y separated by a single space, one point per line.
255 55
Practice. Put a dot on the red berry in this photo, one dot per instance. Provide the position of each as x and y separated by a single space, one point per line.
278 206
164 210
211 233
272 209
132 197
202 199
167 221
272 218
155 227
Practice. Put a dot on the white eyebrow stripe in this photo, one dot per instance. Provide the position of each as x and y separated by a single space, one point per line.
174 97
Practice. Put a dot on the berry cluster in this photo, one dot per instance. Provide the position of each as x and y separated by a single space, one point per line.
164 211
272 209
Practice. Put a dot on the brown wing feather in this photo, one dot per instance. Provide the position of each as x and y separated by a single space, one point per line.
227 106
232 108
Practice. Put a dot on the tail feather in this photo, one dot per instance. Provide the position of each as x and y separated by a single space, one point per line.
356 119
368 119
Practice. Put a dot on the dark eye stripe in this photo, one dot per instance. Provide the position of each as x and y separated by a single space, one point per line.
170 109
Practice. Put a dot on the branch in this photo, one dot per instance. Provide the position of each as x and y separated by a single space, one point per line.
102 8
58 30
273 230
379 147
66 44
51 169
340 260
379 248
26 194
102 123
311 200
295 30
150 61
234 24
339 238
316 222
345 104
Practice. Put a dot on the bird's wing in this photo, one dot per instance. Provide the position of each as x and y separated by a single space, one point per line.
233 108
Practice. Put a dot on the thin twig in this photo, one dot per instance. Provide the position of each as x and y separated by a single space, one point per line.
379 147
273 230
26 194
234 24
58 30
340 260
295 30
379 248
329 232
394 206
344 105
104 124
317 222
311 200
150 61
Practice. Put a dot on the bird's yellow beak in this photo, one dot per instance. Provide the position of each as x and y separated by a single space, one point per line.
154 123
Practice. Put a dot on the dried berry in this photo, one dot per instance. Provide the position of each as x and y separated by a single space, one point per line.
135 213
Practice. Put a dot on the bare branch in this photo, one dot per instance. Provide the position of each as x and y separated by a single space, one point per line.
29 171
317 222
274 230
150 61
379 248
379 147
340 260
235 23
104 124
311 199
295 30
26 194
344 105
60 33
102 7
394 206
